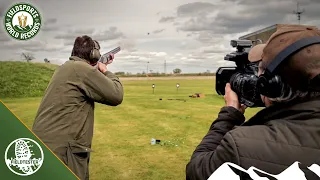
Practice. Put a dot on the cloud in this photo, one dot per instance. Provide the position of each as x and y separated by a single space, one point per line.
247 14
158 31
51 20
72 34
214 49
167 19
185 45
141 57
158 54
195 9
34 46
208 37
85 31
2 12
50 25
4 5
198 23
212 24
128 45
4 37
109 34
105 35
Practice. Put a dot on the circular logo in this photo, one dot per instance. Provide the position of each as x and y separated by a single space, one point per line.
24 156
22 21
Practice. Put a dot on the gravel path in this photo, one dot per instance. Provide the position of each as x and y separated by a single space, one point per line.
165 78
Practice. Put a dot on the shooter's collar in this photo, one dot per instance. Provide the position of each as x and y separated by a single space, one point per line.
76 58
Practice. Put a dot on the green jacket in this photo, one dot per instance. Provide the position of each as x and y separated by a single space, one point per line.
65 117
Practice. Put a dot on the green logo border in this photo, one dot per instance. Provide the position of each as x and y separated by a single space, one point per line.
5 17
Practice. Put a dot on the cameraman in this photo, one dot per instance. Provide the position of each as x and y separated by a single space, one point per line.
65 118
286 131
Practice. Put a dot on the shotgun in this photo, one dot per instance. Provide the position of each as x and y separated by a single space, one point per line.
107 56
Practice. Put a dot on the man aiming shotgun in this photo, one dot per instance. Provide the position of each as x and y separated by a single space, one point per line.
65 118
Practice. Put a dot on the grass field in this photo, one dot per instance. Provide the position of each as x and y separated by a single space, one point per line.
122 134
21 79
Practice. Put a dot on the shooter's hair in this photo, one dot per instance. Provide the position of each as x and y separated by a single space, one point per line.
82 47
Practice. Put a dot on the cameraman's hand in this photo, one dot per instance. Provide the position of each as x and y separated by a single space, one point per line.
231 99
102 67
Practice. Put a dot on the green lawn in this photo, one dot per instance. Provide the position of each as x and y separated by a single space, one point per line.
122 134
21 79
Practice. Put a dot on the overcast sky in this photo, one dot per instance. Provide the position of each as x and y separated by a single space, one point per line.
191 35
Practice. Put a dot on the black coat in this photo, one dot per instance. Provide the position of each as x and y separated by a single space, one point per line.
271 141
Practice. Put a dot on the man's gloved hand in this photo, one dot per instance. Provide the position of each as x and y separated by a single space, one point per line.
231 99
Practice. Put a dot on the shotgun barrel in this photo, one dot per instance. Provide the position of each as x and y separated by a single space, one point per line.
106 57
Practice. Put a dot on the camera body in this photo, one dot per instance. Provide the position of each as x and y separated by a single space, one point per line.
243 77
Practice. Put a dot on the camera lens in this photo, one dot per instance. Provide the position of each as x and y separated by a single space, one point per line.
245 86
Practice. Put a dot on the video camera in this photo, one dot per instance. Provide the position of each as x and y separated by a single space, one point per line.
242 78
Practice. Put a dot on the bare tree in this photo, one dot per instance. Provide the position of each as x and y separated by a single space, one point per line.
27 56
46 60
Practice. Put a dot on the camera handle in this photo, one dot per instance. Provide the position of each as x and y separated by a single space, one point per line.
245 102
